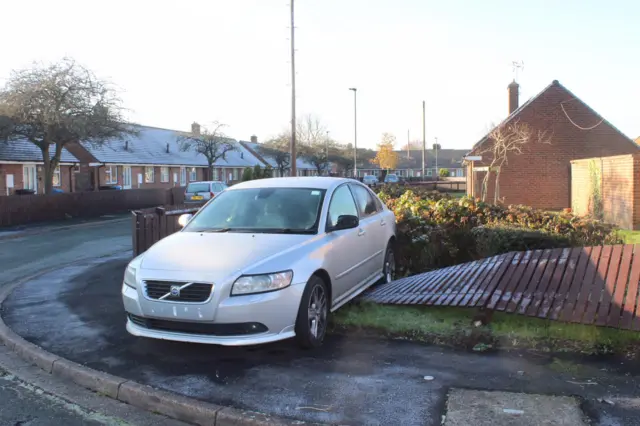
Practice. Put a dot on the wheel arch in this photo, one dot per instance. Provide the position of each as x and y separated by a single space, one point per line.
324 276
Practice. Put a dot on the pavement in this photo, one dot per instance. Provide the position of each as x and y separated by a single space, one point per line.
12 232
75 312
29 395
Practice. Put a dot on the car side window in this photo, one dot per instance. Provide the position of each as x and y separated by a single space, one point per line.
366 202
342 203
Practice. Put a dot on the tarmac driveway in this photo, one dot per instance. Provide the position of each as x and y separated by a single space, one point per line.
77 313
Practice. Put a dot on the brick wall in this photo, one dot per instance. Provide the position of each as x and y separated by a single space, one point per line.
541 176
16 170
615 177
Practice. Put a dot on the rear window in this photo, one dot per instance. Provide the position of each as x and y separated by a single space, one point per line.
198 187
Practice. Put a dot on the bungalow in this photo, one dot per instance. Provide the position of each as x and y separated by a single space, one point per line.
540 175
304 168
410 164
21 167
153 159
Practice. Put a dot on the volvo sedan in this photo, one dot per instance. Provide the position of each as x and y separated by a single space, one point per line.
264 260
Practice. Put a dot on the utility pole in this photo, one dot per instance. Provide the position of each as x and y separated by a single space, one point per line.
355 131
292 147
327 149
436 147
424 137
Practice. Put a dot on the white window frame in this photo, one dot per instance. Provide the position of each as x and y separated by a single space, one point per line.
429 172
193 174
149 174
183 176
30 171
111 175
216 174
164 174
56 172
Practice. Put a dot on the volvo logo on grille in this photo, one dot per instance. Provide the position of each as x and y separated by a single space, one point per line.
175 291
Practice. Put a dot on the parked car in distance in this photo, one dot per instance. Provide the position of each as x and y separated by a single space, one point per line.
391 178
265 260
370 180
200 192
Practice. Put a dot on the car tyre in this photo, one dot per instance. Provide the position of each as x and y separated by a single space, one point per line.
311 324
389 268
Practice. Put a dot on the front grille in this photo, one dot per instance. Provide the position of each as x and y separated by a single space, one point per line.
237 329
196 292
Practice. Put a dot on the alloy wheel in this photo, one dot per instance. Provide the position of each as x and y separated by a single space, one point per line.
390 267
317 312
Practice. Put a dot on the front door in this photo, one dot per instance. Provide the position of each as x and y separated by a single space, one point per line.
126 177
347 251
30 177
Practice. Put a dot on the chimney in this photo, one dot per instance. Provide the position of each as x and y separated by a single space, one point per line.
514 97
167 147
254 139
126 145
195 128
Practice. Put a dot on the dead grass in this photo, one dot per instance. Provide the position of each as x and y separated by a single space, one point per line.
454 327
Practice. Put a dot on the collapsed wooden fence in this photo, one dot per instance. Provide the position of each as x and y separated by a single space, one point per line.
588 285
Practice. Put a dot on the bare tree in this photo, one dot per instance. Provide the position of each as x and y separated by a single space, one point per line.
277 148
53 105
209 141
503 142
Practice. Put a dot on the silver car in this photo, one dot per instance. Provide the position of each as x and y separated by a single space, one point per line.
200 192
265 260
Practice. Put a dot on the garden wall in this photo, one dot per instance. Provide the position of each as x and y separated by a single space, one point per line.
607 188
25 209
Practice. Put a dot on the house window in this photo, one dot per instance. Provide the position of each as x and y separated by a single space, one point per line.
429 172
149 175
183 176
193 175
216 174
56 176
29 177
111 175
164 174
235 174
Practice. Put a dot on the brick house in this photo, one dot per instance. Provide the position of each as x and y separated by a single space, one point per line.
541 175
21 167
153 159
410 164
304 168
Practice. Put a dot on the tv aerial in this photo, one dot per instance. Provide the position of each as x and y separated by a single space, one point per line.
516 67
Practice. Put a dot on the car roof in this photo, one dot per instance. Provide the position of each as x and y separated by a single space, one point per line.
316 182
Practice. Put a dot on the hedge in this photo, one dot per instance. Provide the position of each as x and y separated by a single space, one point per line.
435 230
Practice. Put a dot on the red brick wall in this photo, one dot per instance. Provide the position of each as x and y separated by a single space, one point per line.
616 178
157 183
541 176
17 171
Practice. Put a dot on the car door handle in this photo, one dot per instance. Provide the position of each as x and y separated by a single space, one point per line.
383 222
361 232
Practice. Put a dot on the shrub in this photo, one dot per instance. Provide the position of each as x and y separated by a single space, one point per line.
247 174
436 230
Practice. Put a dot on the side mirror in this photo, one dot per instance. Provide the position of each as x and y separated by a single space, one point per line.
346 221
184 219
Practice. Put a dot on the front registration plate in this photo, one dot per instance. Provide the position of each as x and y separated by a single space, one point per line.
197 197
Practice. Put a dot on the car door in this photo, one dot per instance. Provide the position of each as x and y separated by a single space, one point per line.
344 256
372 223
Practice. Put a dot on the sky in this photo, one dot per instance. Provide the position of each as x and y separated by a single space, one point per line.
176 62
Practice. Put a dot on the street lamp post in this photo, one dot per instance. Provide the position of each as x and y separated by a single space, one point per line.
355 131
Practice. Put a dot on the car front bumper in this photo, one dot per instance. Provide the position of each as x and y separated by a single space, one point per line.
272 315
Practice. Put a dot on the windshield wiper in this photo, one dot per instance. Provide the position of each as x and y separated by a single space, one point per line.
215 230
286 231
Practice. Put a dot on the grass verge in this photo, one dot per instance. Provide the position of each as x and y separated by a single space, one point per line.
455 327
629 237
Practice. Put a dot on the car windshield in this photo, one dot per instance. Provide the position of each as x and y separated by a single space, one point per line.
198 187
266 210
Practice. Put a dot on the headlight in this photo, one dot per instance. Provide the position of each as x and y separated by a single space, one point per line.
250 284
130 273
